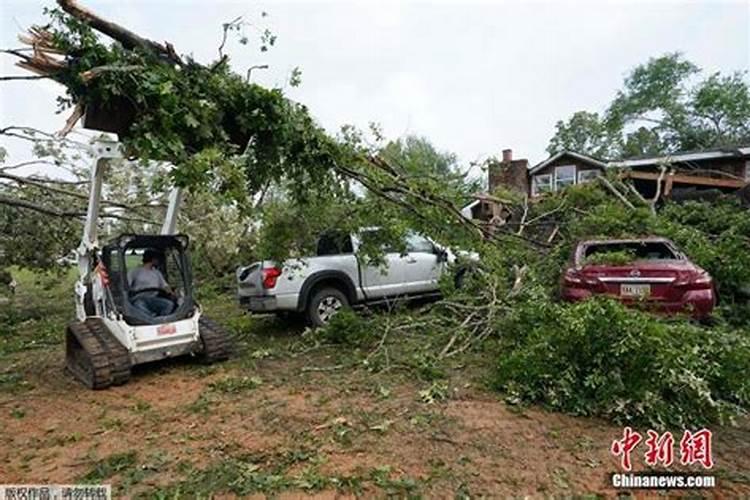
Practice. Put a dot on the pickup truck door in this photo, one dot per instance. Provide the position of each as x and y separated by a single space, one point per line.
423 268
417 271
387 280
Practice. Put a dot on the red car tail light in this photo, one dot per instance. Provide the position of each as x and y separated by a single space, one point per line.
572 277
270 275
700 281
697 280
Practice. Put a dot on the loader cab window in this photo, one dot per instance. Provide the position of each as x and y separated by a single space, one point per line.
148 288
173 271
150 278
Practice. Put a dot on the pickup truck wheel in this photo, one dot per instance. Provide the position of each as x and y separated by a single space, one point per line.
324 304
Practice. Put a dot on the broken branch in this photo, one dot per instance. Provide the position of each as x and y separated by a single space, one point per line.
127 38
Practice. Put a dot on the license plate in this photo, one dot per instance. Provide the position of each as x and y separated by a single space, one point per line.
635 290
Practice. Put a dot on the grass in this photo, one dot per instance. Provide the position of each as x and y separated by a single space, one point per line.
36 315
247 475
13 382
108 467
235 385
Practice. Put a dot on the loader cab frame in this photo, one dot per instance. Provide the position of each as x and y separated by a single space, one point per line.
124 253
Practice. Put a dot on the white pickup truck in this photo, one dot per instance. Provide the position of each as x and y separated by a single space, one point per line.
335 277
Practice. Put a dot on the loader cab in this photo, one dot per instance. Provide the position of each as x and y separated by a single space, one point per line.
125 254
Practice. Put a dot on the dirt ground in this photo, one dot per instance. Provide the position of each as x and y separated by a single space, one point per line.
290 426
287 418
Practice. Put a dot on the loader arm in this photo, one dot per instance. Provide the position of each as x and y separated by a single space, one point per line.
173 209
104 152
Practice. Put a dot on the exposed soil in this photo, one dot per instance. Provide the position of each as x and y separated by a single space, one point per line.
337 422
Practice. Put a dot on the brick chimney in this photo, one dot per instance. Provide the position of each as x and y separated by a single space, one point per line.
507 155
509 173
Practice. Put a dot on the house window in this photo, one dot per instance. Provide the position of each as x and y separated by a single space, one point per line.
541 184
587 175
564 176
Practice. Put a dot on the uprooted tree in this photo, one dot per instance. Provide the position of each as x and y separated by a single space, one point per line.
220 131
228 136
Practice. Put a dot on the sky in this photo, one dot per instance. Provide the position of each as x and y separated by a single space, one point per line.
473 77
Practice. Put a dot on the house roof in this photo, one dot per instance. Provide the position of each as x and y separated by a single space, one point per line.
588 159
708 154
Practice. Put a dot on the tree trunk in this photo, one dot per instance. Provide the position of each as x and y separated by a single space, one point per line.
127 38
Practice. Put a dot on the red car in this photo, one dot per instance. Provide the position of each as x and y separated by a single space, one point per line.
657 275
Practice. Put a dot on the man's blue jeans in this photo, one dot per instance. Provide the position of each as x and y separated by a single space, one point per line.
154 306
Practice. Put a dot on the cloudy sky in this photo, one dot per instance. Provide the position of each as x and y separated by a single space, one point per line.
473 77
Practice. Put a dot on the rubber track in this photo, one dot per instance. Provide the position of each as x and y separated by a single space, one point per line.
94 356
217 345
86 357
119 358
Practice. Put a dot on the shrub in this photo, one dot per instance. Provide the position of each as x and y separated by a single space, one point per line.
599 358
346 327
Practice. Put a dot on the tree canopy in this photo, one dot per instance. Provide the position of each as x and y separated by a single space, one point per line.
665 105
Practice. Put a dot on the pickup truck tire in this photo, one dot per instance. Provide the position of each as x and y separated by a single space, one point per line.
324 304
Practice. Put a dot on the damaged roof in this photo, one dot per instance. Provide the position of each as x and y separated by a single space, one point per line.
706 154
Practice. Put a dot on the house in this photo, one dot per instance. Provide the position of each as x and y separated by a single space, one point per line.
723 169
676 175
556 172
563 169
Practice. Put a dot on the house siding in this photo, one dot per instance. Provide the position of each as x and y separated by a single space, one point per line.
565 160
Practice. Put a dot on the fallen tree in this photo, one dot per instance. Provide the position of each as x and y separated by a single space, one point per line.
594 358
237 138
219 131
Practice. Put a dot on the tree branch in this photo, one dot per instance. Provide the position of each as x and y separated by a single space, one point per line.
66 214
655 199
15 202
225 31
41 185
614 191
127 38
25 164
31 77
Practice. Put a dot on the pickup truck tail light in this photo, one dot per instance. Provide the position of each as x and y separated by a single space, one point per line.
270 275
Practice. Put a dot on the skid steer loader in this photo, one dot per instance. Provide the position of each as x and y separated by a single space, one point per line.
112 333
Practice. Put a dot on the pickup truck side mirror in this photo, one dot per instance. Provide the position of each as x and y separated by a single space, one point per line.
442 254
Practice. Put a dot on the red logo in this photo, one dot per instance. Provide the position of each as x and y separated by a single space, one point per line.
695 447
660 448
167 329
625 446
